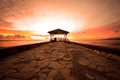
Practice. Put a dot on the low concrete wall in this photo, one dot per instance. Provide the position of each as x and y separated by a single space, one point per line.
17 49
111 50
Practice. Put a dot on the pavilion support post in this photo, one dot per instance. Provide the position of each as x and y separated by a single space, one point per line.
65 37
51 37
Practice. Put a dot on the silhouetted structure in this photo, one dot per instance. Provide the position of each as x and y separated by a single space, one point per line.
58 35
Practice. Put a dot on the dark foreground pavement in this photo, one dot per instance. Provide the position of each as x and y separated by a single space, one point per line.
60 61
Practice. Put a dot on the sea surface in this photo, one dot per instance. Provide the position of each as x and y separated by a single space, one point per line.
109 43
11 43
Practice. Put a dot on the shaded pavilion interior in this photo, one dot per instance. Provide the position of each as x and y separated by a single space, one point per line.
58 35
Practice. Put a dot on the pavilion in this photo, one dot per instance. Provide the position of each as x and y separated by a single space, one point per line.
58 35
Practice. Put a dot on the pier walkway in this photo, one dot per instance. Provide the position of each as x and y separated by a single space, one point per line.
60 61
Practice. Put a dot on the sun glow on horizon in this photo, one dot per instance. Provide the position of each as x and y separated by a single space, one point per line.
52 22
46 23
38 37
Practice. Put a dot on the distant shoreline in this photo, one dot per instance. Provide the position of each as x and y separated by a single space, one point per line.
114 38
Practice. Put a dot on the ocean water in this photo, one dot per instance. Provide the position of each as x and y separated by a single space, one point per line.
108 43
11 43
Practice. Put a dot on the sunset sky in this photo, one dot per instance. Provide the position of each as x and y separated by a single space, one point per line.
85 19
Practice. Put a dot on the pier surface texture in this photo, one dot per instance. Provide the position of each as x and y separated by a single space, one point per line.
60 61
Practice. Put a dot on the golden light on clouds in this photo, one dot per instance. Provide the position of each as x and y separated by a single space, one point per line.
48 23
75 16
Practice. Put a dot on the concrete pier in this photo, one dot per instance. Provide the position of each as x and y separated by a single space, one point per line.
60 61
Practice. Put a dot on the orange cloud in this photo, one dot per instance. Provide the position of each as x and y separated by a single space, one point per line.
3 31
5 24
106 31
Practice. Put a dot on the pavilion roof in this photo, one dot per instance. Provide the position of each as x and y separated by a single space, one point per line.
58 31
